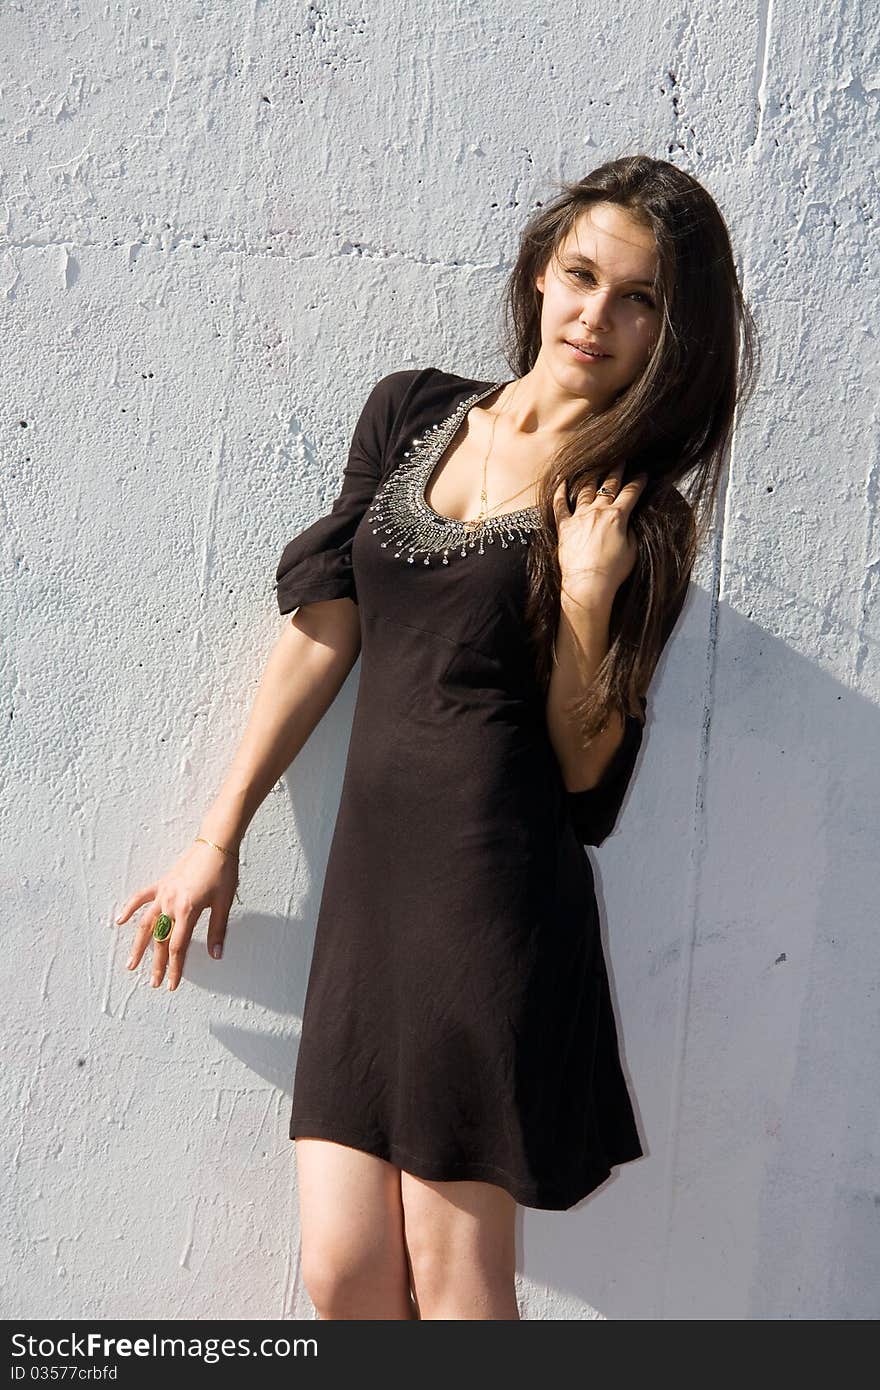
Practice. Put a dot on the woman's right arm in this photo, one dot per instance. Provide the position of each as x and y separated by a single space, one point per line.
315 651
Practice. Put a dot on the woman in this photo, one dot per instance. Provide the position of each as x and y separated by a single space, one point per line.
509 559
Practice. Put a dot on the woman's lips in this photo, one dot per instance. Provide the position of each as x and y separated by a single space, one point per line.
585 356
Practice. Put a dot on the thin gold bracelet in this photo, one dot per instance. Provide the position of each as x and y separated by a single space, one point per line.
231 853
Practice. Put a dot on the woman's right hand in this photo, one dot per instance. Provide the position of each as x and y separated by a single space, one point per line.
203 877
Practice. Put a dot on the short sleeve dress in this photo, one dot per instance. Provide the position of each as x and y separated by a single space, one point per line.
457 1021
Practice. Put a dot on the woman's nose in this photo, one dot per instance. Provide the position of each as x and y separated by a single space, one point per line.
595 315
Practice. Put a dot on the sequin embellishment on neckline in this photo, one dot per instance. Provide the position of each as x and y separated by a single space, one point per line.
401 512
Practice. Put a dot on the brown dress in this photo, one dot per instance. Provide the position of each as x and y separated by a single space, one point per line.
458 1020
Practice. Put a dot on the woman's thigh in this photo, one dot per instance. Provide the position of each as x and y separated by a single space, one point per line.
461 1240
351 1215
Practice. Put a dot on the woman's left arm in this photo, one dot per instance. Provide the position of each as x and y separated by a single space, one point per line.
596 554
581 644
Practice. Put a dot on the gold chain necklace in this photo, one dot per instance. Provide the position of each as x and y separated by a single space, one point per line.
481 518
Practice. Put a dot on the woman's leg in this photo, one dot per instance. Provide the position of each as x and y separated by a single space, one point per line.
462 1246
354 1258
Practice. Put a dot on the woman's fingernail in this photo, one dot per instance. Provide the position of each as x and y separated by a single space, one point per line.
217 951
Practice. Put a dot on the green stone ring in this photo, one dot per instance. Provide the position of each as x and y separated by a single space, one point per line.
162 929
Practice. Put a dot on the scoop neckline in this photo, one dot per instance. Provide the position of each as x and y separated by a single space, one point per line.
464 408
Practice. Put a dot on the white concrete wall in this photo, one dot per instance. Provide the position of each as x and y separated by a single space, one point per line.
199 202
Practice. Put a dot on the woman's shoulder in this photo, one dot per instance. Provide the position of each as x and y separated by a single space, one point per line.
411 399
431 392
431 384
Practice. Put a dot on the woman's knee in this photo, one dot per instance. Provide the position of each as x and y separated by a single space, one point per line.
338 1273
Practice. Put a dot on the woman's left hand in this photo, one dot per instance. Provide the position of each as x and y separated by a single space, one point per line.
597 551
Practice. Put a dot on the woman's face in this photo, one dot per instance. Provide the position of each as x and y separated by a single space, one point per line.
597 290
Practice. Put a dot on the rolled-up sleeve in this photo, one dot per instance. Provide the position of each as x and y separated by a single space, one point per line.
594 812
316 563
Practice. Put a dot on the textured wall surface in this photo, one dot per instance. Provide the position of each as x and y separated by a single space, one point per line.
220 225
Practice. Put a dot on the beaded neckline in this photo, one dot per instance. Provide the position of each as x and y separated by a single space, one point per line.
413 526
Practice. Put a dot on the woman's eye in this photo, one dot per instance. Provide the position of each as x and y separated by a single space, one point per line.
636 294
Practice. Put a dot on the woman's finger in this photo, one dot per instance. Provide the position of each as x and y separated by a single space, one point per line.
160 962
586 495
134 902
143 933
177 944
217 923
161 949
612 482
629 494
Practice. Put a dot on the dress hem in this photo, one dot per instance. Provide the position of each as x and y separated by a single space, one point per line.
535 1196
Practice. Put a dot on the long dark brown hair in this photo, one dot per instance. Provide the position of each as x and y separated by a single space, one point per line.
674 421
